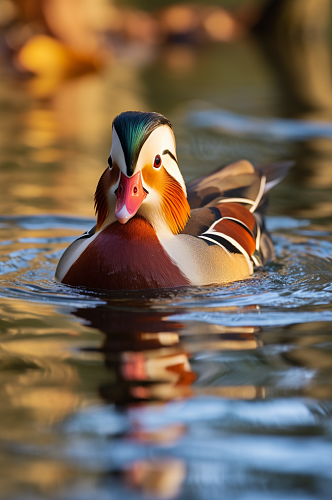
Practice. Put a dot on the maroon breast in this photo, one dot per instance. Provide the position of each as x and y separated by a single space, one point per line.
125 257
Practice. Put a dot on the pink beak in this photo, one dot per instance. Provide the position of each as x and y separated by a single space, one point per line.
129 197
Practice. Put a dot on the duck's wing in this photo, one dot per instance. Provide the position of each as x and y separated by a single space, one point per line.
234 228
238 182
227 208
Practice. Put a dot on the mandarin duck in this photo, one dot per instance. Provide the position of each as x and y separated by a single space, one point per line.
153 231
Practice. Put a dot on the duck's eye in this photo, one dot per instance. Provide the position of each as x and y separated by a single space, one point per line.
109 161
157 161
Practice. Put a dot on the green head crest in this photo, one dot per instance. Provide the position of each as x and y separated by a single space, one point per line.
133 128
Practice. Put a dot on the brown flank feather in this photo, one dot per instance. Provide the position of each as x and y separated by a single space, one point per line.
239 212
238 233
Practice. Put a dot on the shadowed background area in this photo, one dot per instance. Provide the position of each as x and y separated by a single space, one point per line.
217 392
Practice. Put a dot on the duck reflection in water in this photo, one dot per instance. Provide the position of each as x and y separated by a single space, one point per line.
150 356
145 354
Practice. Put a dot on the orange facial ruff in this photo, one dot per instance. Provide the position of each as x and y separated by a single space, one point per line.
174 203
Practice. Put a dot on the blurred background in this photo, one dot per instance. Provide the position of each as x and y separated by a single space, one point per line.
219 392
68 67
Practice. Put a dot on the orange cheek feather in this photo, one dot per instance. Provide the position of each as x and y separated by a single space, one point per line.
106 181
174 204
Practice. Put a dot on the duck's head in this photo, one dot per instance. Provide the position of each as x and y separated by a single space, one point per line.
143 175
